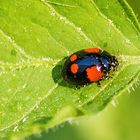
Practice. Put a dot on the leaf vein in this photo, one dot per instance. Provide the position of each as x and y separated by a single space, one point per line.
66 21
113 25
18 48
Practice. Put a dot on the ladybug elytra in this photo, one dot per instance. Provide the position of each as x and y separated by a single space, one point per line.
88 65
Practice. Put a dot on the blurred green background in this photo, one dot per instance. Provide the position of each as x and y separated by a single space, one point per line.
120 120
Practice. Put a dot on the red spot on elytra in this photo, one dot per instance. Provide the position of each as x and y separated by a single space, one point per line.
73 57
74 68
94 74
92 50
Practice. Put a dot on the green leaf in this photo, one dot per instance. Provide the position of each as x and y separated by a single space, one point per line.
36 36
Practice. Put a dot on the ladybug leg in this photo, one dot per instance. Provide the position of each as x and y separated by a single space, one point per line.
106 74
77 87
98 84
80 86
86 84
109 77
113 68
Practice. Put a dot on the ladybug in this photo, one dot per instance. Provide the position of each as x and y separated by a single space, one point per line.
88 66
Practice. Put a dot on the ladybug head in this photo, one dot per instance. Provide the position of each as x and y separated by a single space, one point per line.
108 63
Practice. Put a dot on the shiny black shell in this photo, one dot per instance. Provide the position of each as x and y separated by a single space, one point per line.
95 61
